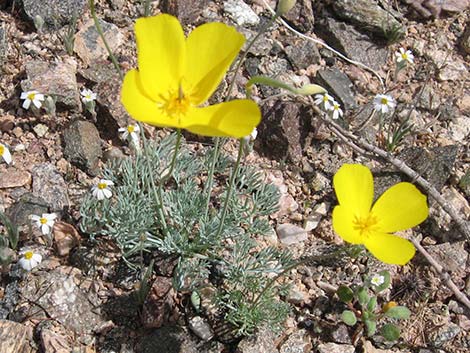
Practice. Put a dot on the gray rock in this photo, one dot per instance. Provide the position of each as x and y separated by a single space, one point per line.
434 164
459 129
49 184
368 15
15 337
88 44
187 11
338 85
201 328
296 296
335 348
55 13
302 16
298 342
9 300
26 206
241 13
167 340
353 44
443 334
83 146
263 341
429 98
302 53
112 113
341 334
12 178
54 78
284 130
290 234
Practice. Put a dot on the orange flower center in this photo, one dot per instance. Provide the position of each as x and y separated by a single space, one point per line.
176 104
102 186
130 129
28 255
384 101
42 220
365 225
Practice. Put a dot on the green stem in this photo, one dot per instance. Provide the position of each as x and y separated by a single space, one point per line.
173 160
230 188
210 176
101 34
146 8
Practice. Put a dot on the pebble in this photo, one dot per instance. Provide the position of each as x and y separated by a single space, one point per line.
290 234
201 328
241 13
335 348
41 130
12 178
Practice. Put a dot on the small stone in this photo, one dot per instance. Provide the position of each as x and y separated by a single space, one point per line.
90 47
53 342
201 328
3 44
298 342
301 16
55 13
54 79
83 146
296 296
339 86
187 11
335 348
459 129
443 334
290 234
341 334
464 103
29 204
66 238
429 99
7 123
159 306
14 337
41 130
241 13
13 178
263 341
303 53
453 71
49 184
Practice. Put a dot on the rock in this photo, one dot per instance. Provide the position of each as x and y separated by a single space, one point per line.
29 204
290 234
83 146
451 68
159 306
464 41
368 15
283 131
12 178
353 44
459 129
435 8
112 113
99 71
63 300
201 328
9 299
55 13
263 341
339 86
66 238
40 130
3 44
187 11
302 53
296 295
434 164
7 122
452 257
428 98
15 337
54 78
53 341
90 47
241 13
298 342
464 104
49 184
169 339
341 334
335 348
315 217
443 334
301 16
287 203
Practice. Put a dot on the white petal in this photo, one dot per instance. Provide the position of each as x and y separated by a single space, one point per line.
35 218
39 97
49 216
26 104
107 193
107 182
45 229
24 95
136 128
6 155
37 258
25 264
37 103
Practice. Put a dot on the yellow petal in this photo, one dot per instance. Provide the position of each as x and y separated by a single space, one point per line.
343 220
354 187
400 207
210 48
161 53
236 118
390 249
139 105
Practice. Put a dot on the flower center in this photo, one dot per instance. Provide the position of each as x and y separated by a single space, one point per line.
42 220
28 255
404 56
130 129
365 225
102 186
384 101
176 104
325 98
2 149
31 96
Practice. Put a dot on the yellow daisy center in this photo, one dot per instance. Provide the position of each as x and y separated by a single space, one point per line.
130 129
176 105
384 101
28 255
404 56
102 186
2 150
325 98
42 220
365 225
31 96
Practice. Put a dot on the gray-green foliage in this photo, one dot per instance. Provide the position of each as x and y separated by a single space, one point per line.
145 216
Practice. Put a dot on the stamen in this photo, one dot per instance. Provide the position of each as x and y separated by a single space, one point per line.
28 255
365 225
102 186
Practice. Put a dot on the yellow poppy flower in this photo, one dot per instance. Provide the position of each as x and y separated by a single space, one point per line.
176 75
400 207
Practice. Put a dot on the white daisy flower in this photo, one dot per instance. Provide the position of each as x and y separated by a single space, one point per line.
405 56
29 260
131 131
87 95
377 280
45 222
32 97
383 103
5 153
324 99
102 190
251 137
336 109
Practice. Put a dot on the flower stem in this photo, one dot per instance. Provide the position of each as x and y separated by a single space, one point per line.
173 160
230 188
101 34
210 176
146 8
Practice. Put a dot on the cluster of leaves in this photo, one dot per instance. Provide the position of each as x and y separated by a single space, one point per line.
150 214
363 308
